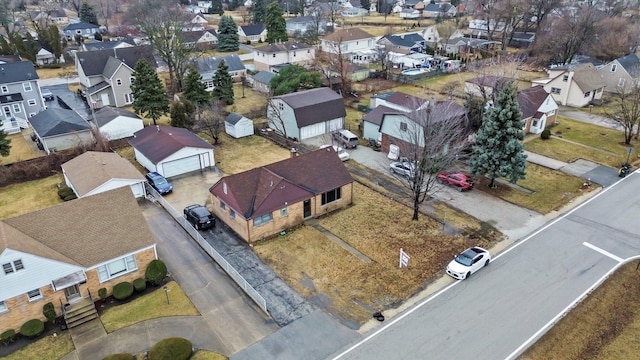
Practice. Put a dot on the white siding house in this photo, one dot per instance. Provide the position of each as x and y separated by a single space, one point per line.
114 123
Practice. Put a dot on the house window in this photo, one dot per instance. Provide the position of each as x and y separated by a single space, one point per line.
535 123
283 212
117 267
621 82
131 79
274 55
31 102
5 88
565 78
294 54
118 82
8 269
555 90
281 106
262 219
128 98
403 126
16 108
3 307
27 86
232 214
587 94
223 206
614 67
18 265
34 295
331 196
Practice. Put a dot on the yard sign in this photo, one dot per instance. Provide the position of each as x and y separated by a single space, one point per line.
404 259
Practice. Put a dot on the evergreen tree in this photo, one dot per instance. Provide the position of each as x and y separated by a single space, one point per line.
228 39
498 150
258 11
149 96
366 4
275 24
5 47
292 78
182 113
194 89
88 14
223 83
5 143
216 7
234 5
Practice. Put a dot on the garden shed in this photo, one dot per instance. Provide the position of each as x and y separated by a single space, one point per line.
238 126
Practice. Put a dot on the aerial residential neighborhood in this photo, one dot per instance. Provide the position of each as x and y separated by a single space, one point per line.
324 179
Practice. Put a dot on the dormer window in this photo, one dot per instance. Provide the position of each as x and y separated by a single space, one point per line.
565 78
15 266
4 88
27 86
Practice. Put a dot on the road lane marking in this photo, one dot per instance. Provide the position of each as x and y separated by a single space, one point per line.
603 252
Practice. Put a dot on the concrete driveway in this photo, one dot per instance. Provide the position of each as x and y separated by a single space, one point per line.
192 188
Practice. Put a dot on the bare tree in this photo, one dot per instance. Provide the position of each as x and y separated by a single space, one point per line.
335 64
626 110
276 117
163 22
430 141
244 13
106 9
212 119
446 29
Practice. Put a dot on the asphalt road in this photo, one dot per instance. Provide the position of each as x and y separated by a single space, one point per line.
501 310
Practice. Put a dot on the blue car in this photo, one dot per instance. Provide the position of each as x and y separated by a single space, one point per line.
159 183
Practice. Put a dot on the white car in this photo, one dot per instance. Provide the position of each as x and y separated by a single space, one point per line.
468 262
403 168
342 153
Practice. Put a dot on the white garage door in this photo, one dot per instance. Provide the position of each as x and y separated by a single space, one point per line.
335 124
312 130
181 166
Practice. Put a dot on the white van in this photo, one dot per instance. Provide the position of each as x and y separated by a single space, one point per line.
346 138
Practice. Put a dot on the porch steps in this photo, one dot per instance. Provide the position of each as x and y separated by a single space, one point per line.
80 313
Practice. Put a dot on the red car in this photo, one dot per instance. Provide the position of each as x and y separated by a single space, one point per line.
460 181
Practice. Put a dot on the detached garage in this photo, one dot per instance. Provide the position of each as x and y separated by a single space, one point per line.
238 126
171 151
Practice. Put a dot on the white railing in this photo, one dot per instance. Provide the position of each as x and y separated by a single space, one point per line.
221 261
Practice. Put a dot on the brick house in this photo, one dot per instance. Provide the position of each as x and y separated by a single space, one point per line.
264 201
65 253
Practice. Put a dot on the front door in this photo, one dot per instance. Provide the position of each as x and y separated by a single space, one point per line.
307 208
105 99
72 293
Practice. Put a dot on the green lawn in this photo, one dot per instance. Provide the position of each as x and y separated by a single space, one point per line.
29 196
49 347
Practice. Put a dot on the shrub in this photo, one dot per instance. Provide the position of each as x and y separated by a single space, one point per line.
49 312
156 271
65 191
32 328
70 197
7 336
546 134
174 348
120 357
139 284
122 290
102 293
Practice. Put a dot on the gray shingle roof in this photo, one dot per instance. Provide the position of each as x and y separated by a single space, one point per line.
280 47
315 105
94 62
80 25
17 71
159 142
264 76
210 64
587 77
112 65
108 113
407 40
256 29
631 63
53 122
233 118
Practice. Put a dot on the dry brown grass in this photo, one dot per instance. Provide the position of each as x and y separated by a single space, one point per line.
29 196
253 101
604 326
49 73
128 153
355 287
237 155
20 150
49 347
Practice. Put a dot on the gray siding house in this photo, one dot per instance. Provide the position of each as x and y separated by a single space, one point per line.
106 75
208 66
83 29
59 129
20 96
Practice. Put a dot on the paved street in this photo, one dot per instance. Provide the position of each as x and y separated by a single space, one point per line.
504 308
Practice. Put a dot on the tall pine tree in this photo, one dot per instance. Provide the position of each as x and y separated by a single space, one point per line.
5 143
88 14
216 7
498 150
149 96
275 24
258 11
194 89
228 39
223 83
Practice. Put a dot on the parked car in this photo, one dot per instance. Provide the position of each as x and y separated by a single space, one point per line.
468 262
47 95
403 168
159 183
459 181
199 216
342 153
346 138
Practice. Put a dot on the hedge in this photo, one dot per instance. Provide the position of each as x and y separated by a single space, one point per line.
174 348
8 336
139 284
49 312
32 328
545 134
120 357
156 271
102 293
122 290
